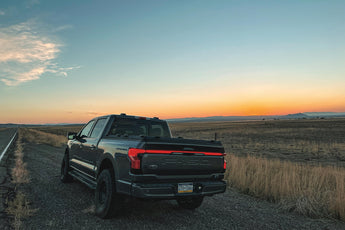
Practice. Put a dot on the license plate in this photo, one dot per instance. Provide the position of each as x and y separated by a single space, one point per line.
185 187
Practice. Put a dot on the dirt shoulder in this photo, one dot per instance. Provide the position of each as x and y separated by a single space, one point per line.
70 206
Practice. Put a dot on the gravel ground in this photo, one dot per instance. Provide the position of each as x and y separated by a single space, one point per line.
70 206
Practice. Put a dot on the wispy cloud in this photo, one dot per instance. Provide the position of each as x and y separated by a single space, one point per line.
27 53
2 12
64 27
93 113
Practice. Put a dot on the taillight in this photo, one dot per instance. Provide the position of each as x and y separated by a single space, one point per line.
224 164
133 156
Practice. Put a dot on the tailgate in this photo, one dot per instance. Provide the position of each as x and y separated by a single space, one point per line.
180 163
175 156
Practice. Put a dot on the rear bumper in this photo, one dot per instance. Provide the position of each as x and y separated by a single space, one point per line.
170 190
153 178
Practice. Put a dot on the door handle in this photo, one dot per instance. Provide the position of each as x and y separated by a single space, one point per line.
93 147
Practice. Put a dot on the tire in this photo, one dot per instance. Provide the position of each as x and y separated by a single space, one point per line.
108 202
190 203
64 176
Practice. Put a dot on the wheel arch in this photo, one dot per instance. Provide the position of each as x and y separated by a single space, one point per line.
107 162
66 150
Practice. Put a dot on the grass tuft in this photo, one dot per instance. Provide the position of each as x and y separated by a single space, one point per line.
19 208
20 174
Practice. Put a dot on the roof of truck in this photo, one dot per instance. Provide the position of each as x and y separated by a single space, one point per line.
123 115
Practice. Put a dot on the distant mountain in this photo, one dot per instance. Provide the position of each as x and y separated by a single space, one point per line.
270 117
62 124
10 125
324 114
220 118
294 116
313 115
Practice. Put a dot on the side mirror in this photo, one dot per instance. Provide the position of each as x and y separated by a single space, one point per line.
71 135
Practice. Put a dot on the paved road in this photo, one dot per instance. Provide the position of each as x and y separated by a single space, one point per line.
70 206
5 137
5 185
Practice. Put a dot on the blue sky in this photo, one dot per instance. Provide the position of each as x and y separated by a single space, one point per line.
176 58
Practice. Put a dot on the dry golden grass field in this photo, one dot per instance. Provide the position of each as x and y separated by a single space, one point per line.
299 164
311 141
59 130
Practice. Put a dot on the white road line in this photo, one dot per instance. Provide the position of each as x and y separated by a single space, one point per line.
3 153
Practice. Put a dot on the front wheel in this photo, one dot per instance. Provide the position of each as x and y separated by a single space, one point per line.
190 202
108 202
64 176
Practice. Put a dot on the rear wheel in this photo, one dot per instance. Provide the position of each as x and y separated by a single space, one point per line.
108 202
64 176
190 202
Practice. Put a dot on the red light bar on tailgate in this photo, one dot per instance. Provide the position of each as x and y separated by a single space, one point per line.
135 160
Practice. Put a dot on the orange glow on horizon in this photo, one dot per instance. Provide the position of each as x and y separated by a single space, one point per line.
82 117
198 108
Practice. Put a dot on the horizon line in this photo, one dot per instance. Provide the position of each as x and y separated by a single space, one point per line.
182 118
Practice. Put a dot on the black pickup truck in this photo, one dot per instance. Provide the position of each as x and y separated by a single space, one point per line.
121 155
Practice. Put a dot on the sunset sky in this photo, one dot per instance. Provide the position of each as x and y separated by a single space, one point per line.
69 61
